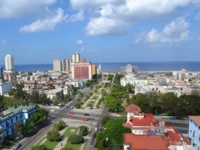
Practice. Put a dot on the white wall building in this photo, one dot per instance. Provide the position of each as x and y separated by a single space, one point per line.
76 57
9 62
128 79
5 87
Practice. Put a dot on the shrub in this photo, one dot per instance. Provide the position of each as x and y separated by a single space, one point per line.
40 147
53 135
59 126
76 139
83 130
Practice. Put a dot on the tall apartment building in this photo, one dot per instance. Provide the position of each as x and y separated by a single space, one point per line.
62 65
9 73
129 69
76 57
81 70
9 62
1 73
57 65
94 69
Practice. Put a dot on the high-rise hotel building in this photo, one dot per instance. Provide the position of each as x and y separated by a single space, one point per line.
76 57
81 70
62 65
9 73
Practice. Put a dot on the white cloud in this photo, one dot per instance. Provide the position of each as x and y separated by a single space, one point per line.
20 8
45 24
106 26
197 17
3 42
114 17
175 31
77 17
92 3
79 42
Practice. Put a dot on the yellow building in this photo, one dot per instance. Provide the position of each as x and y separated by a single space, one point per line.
94 69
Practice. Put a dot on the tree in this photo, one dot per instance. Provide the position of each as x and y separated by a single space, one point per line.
114 132
19 128
40 147
60 125
83 130
75 139
53 135
104 120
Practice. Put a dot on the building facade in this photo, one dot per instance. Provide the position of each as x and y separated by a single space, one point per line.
82 70
57 65
76 57
194 131
10 116
5 87
9 62
94 69
129 69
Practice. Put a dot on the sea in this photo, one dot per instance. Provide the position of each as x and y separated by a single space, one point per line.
115 66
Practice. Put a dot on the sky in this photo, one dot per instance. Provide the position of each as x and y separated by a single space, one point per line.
39 31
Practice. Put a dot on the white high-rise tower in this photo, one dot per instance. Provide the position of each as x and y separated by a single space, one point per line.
9 62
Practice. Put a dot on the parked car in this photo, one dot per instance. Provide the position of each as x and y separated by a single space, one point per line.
86 114
71 112
71 107
90 118
17 145
84 119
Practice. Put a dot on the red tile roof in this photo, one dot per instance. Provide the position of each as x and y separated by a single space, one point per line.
148 120
133 108
196 119
141 142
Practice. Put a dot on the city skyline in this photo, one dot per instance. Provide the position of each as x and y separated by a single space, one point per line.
38 32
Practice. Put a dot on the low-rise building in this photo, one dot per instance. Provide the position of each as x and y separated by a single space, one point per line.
10 116
194 131
5 87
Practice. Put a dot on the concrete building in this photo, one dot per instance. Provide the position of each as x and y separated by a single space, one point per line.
94 69
129 69
57 65
76 57
9 73
9 62
156 135
128 79
63 65
10 116
1 73
194 130
82 70
5 87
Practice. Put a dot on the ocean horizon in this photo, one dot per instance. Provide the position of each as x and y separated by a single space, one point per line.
115 66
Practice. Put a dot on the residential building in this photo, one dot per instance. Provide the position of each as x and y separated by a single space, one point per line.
81 70
194 131
156 135
9 62
30 86
10 116
128 79
76 57
94 69
65 65
1 73
57 65
9 73
5 87
129 69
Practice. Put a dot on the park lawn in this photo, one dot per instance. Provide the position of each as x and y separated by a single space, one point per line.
74 146
50 144
86 144
68 132
41 141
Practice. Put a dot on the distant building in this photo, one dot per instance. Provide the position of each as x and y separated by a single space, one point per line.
76 57
9 62
94 69
9 73
5 87
99 69
62 65
129 69
57 65
82 70
1 73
